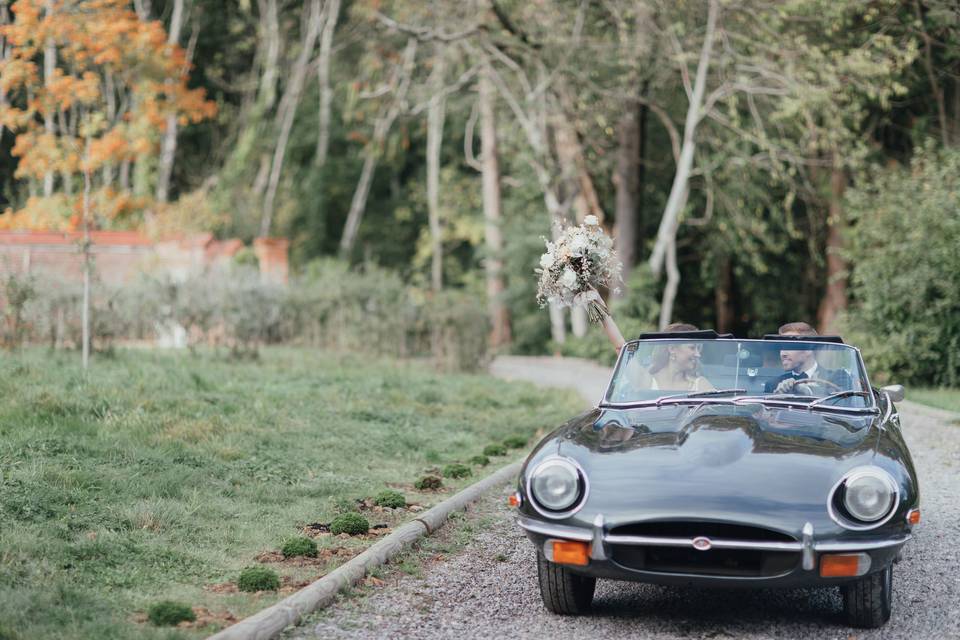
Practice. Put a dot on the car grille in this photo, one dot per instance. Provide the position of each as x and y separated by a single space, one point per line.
715 562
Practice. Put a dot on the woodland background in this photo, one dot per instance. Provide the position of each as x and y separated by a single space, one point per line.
757 162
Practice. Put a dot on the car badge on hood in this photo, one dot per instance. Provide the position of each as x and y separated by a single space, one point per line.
702 543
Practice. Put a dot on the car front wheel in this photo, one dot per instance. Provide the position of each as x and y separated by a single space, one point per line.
867 601
563 591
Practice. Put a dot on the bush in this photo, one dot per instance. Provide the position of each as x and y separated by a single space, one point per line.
300 546
905 288
351 523
456 470
428 482
494 450
390 498
258 579
169 613
480 461
515 442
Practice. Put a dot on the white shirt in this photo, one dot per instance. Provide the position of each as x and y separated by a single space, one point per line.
812 370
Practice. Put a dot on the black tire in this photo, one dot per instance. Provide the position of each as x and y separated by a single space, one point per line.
563 591
867 601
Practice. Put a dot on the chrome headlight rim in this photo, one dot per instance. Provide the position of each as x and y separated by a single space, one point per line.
847 520
582 482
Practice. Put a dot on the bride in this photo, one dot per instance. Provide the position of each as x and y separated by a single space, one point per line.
674 367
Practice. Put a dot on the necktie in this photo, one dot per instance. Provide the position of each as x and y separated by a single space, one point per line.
800 376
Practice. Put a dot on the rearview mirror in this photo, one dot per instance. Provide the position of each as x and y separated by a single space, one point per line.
894 391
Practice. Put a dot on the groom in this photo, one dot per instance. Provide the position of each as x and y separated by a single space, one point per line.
803 365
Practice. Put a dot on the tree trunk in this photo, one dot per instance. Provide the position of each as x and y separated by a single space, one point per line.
87 262
493 263
168 144
288 111
323 76
626 180
723 294
667 233
49 67
372 153
835 299
435 118
270 36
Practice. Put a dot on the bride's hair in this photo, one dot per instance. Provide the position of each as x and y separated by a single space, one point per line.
661 353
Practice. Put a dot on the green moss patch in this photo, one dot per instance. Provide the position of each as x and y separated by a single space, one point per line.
515 442
390 498
169 613
350 523
480 461
456 470
258 579
300 546
428 483
494 450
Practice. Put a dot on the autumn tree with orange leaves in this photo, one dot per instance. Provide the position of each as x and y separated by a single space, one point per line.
89 87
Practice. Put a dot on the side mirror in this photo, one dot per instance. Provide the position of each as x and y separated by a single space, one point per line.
895 392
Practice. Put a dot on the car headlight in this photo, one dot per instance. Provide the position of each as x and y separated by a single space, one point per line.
556 484
869 494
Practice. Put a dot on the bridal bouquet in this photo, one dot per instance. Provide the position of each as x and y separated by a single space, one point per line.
575 265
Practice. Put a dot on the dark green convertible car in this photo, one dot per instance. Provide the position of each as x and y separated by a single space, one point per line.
724 462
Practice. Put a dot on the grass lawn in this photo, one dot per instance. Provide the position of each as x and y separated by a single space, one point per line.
948 399
161 476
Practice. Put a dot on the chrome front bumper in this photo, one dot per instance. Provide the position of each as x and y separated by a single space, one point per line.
600 540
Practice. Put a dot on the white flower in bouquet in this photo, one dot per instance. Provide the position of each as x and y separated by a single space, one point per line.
575 265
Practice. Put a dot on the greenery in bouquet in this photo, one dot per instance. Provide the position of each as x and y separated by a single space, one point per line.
578 262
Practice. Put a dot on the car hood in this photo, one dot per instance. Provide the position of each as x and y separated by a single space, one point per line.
770 466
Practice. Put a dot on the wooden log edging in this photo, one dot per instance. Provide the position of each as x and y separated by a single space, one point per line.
270 622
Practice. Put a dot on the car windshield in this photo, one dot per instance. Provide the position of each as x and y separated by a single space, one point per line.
814 374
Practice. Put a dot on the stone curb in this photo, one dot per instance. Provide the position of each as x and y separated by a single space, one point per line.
270 622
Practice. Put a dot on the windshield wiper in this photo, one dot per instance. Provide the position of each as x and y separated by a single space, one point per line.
837 396
701 394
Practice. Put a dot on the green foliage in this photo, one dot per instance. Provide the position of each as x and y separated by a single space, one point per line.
456 470
480 461
350 523
257 578
906 274
515 442
390 498
428 483
169 613
494 450
299 546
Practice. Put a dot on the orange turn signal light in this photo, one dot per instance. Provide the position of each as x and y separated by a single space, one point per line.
913 516
844 565
571 552
514 500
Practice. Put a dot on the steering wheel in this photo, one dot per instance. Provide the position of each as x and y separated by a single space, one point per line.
801 386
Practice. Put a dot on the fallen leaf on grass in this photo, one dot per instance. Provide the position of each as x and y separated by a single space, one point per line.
373 581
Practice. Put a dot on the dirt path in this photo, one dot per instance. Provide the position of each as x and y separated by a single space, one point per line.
488 589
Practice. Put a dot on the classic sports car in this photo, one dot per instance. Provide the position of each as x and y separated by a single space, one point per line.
716 461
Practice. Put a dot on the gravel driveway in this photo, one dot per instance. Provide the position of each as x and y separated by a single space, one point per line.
489 589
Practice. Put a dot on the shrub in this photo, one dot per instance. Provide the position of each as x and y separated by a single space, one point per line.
905 288
480 461
456 470
169 613
258 579
350 523
494 450
515 442
390 498
428 482
300 546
